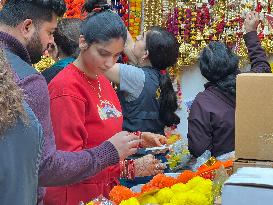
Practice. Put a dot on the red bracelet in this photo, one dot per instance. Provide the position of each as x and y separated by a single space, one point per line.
127 169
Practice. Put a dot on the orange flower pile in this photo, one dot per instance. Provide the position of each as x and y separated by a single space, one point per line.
119 193
74 9
158 182
208 172
185 176
135 17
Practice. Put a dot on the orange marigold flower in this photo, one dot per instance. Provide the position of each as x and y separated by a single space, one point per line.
185 176
119 193
158 182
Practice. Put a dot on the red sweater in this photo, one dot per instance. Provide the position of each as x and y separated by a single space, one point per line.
83 120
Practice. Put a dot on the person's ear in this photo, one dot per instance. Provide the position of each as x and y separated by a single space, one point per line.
145 56
27 29
83 45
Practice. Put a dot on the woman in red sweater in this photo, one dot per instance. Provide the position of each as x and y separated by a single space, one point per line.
85 109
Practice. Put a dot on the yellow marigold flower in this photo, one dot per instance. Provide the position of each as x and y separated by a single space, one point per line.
164 195
180 187
148 199
179 199
131 201
195 198
196 181
205 188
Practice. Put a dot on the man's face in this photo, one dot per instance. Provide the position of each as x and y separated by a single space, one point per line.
41 38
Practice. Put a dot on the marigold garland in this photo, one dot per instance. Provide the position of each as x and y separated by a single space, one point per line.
159 181
197 23
74 9
119 193
197 191
135 17
185 176
152 13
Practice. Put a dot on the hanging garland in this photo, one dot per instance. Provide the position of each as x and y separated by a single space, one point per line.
152 14
122 8
196 23
74 9
135 17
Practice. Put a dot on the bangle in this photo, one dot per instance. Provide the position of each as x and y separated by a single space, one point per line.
127 169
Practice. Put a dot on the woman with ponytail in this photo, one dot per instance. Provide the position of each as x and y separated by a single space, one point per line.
211 122
86 112
145 89
21 141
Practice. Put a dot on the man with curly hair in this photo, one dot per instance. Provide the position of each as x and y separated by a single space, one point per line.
18 126
26 30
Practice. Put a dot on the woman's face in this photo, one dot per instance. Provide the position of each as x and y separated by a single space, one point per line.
99 57
139 49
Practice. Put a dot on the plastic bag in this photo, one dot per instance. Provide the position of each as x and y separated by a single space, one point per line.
227 156
201 160
221 176
179 155
99 201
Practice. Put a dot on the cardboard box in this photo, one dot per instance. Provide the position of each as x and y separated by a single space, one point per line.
254 116
249 186
240 163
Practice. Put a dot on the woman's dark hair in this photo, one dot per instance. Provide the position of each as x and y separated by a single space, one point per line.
16 11
11 97
102 24
67 36
219 65
163 51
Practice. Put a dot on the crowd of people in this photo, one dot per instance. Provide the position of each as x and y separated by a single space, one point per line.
66 134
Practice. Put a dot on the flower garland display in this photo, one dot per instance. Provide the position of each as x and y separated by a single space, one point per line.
197 22
188 188
196 191
122 8
45 62
135 17
74 9
152 13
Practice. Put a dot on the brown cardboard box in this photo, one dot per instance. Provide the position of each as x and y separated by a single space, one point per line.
239 163
254 117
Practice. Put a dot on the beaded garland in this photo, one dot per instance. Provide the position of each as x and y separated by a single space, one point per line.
197 22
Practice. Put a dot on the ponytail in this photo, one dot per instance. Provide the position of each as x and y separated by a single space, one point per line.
168 102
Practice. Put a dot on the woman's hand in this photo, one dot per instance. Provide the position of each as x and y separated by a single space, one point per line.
148 166
125 143
152 140
252 21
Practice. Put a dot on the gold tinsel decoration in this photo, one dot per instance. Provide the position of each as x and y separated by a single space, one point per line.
188 54
267 44
44 63
241 51
152 13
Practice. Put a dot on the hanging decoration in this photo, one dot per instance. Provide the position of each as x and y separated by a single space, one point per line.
135 17
197 22
74 9
122 8
152 14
